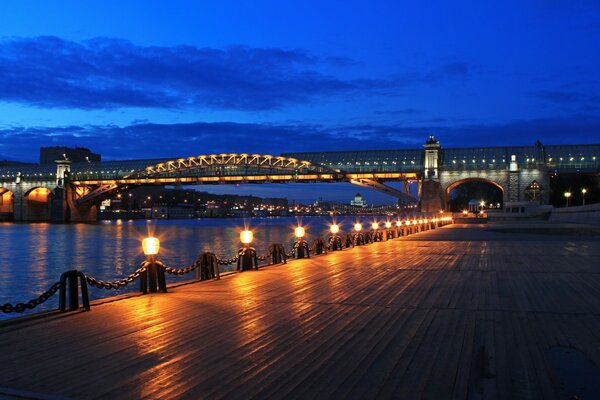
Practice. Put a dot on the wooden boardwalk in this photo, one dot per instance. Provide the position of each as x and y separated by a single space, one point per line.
453 313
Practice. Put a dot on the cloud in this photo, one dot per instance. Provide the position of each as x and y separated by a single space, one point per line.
584 101
110 73
105 73
150 140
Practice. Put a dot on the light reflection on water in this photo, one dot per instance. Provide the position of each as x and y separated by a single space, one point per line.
33 256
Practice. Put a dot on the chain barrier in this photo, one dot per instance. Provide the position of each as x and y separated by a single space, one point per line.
117 283
228 261
181 271
31 304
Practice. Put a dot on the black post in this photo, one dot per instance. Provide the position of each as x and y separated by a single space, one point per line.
301 249
247 259
153 279
68 281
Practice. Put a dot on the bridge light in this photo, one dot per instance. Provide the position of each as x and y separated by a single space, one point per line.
334 228
246 237
375 226
299 232
388 225
358 227
150 246
398 223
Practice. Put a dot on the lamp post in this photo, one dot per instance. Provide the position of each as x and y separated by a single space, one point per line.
301 246
567 195
358 237
153 279
583 192
389 234
375 232
247 255
335 242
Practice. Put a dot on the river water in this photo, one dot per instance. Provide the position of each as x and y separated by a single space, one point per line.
33 256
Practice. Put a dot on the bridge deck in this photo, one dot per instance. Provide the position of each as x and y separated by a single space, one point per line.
456 312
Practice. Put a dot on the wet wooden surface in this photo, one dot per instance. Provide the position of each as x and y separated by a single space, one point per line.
456 312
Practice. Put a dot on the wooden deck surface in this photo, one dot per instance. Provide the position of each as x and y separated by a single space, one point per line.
452 313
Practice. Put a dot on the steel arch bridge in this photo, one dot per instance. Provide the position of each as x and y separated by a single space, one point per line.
226 168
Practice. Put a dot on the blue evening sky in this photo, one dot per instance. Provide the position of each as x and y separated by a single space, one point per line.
133 79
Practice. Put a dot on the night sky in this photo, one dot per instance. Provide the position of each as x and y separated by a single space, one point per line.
141 79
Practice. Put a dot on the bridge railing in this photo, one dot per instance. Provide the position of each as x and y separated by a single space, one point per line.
151 272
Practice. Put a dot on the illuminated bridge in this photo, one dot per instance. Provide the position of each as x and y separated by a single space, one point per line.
72 191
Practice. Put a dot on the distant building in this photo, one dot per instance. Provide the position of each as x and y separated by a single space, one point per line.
358 201
77 154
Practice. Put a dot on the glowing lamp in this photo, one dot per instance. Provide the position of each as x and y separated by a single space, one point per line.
150 245
398 223
334 229
299 232
414 221
388 224
465 212
246 237
567 194
375 225
420 221
357 227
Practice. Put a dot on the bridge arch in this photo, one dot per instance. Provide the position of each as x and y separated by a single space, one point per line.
37 204
499 185
7 199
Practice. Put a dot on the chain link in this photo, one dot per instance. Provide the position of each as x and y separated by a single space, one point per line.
117 283
181 271
31 304
227 261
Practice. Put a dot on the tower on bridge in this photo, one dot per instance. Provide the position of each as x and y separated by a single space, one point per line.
432 198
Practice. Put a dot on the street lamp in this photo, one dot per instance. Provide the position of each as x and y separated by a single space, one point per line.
358 238
301 245
153 278
247 255
150 246
335 242
567 195
583 192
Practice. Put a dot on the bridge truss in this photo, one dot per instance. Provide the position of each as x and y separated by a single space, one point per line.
231 169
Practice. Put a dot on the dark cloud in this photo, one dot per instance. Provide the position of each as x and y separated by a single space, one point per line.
105 73
109 73
149 140
583 101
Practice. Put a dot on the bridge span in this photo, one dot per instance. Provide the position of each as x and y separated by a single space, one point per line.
72 191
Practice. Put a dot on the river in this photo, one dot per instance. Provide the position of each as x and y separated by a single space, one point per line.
33 256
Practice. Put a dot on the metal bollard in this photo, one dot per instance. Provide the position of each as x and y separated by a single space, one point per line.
277 253
153 280
69 280
247 259
209 267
